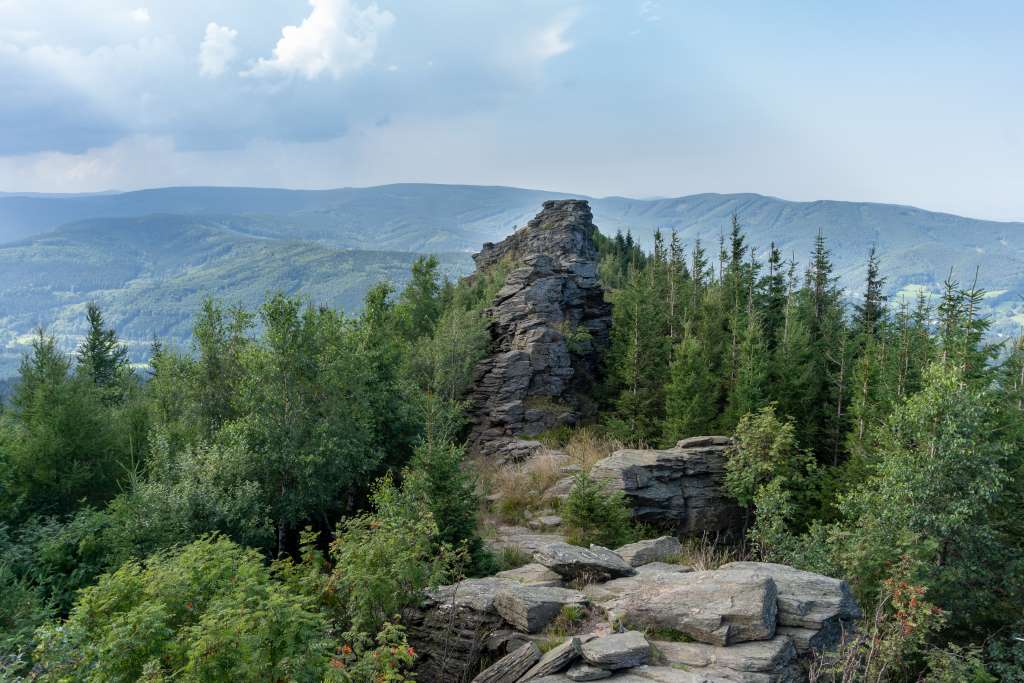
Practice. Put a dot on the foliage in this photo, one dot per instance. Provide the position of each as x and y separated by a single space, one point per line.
210 611
66 444
387 658
382 560
436 480
888 644
936 496
592 514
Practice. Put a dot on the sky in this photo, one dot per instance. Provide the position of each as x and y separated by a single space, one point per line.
907 102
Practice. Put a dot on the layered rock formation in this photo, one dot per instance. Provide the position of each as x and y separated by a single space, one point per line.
747 622
680 488
549 327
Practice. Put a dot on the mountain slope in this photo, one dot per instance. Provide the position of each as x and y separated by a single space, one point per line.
151 274
150 255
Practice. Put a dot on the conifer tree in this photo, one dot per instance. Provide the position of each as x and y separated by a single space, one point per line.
101 356
692 395
870 312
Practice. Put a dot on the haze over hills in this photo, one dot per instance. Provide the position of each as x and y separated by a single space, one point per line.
150 256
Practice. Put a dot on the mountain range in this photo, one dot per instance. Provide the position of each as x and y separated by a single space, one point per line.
149 257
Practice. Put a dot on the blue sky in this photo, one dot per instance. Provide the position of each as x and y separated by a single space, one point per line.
909 102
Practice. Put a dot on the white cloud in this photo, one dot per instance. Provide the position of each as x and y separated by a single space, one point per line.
649 10
217 50
551 41
337 38
140 15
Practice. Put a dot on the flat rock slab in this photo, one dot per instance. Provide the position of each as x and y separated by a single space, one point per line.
574 562
475 594
763 661
617 651
531 608
558 658
806 599
653 550
511 667
716 607
532 575
521 538
545 522
587 672
648 579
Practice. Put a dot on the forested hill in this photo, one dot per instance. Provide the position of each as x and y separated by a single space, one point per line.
148 256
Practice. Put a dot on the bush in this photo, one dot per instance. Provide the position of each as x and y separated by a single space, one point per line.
383 560
21 611
384 659
210 611
592 514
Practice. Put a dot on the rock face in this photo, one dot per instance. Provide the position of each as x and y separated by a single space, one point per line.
449 628
763 661
814 610
714 607
680 488
549 329
511 667
531 608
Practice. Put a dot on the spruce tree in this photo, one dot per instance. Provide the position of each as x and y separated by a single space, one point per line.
870 312
101 356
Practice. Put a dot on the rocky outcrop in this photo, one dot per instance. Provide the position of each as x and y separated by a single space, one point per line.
746 622
680 488
549 328
814 610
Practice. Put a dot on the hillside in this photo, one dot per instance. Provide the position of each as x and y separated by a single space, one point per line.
150 275
150 255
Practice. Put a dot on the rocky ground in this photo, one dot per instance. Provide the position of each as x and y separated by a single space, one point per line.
631 615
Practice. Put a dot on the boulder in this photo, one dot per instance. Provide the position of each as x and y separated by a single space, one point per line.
617 651
586 672
716 607
549 327
761 661
511 667
680 488
574 562
532 575
813 609
531 608
558 658
653 550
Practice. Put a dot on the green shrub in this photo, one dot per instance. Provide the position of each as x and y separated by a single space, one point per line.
383 560
592 514
210 611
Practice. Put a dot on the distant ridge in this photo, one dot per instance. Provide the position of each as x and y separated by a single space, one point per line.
150 254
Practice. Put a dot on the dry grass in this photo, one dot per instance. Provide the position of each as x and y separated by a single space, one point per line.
587 445
520 487
709 552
